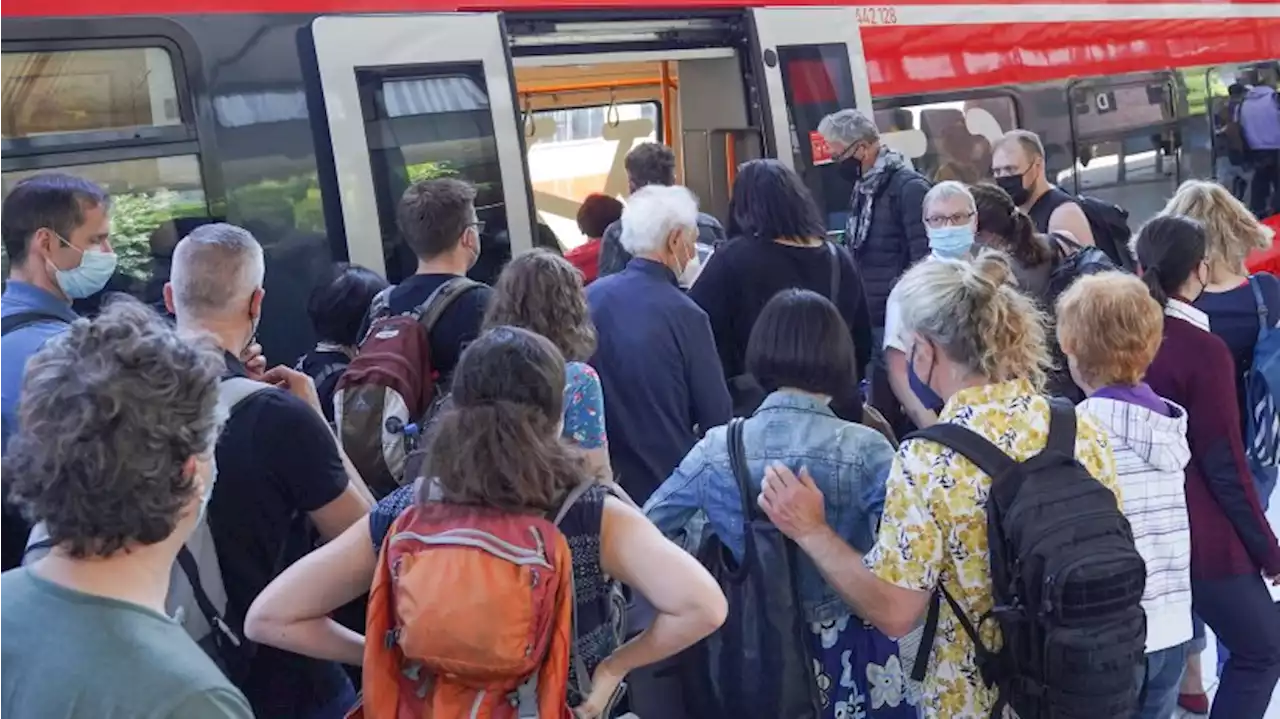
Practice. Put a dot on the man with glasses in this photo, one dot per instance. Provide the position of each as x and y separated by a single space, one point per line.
56 231
437 219
951 221
1018 166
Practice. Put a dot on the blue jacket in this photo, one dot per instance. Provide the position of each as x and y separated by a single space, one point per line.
659 369
848 462
18 346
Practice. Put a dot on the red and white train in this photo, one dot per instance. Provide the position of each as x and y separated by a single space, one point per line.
305 119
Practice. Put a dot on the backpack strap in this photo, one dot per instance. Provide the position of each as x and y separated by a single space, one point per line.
233 390
1062 428
18 320
738 463
1264 311
977 449
835 272
921 666
430 312
187 562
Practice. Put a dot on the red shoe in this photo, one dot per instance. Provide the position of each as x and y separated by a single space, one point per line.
1194 703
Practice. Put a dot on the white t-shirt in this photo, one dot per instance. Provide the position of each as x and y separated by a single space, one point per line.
894 337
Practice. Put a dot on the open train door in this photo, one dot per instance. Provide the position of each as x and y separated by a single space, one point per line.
411 97
812 63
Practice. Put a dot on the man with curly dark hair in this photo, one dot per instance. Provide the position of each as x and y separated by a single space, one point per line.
114 454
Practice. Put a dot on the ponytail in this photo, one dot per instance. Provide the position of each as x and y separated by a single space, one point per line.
1169 249
1013 231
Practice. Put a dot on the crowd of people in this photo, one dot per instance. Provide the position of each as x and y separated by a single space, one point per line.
999 471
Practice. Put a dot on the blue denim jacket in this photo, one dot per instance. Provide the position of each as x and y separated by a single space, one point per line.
848 462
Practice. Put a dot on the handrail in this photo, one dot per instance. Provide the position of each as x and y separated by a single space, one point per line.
600 85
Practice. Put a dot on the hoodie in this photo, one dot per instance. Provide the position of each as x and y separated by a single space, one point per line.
1151 453
1259 117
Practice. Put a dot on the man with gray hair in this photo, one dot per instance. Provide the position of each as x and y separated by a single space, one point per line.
656 355
886 228
951 220
283 482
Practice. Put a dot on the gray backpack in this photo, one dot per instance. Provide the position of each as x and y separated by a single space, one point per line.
197 596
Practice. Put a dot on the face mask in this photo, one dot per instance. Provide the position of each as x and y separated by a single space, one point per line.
951 242
1013 185
850 169
931 400
475 254
692 269
95 269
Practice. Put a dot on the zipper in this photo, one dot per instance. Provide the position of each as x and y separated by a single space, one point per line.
475 705
1049 599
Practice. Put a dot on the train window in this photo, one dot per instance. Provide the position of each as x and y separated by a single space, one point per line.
579 151
817 81
949 140
87 90
423 124
1116 108
154 202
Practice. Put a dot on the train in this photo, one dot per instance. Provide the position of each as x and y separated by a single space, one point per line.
304 120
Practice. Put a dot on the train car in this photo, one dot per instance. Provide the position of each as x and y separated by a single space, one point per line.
304 120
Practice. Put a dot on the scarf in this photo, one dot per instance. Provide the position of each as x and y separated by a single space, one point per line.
870 186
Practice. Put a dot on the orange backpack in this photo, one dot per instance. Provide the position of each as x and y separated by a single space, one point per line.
471 614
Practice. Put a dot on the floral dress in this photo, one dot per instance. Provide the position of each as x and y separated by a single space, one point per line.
860 674
583 406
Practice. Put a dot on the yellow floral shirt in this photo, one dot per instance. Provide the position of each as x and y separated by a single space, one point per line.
935 527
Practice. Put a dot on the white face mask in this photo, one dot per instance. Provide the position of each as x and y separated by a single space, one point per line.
692 269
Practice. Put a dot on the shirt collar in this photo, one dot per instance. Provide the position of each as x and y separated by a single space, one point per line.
998 393
28 296
1180 310
235 368
653 269
790 399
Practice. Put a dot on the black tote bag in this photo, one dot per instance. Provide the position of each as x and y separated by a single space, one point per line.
756 666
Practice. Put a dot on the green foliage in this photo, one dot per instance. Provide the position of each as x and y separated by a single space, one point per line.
135 215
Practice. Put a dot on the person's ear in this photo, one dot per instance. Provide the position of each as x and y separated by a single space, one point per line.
169 304
43 243
255 302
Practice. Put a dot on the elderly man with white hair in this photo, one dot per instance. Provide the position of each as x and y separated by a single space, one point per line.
951 220
282 482
656 354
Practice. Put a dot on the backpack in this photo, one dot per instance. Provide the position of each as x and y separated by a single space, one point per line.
197 597
391 387
1262 388
1073 262
1109 224
1066 578
471 614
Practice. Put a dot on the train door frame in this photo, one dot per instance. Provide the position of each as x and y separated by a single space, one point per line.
346 46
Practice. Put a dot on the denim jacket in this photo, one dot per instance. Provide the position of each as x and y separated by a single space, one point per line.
848 462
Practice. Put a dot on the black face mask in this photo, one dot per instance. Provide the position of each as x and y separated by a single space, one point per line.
850 169
1013 185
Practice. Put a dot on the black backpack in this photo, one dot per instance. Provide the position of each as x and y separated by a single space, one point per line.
1072 262
1066 579
1110 226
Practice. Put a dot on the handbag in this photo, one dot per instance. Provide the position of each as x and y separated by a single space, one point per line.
757 665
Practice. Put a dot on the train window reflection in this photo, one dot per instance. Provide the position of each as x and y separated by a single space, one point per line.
427 123
1138 172
154 203
86 90
949 140
579 151
1114 108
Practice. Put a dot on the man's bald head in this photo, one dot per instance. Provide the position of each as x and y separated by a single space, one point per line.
217 269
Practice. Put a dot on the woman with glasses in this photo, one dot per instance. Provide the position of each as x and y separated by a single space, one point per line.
777 242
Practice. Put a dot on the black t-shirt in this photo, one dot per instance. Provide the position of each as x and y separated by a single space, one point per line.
457 326
276 461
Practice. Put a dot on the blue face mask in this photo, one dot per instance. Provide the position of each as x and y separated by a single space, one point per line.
95 269
951 242
931 400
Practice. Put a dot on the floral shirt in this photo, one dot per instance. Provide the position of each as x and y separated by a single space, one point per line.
935 527
583 406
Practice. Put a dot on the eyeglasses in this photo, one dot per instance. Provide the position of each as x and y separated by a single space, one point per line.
960 218
479 225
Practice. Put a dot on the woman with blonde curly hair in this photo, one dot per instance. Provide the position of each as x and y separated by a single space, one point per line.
980 344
